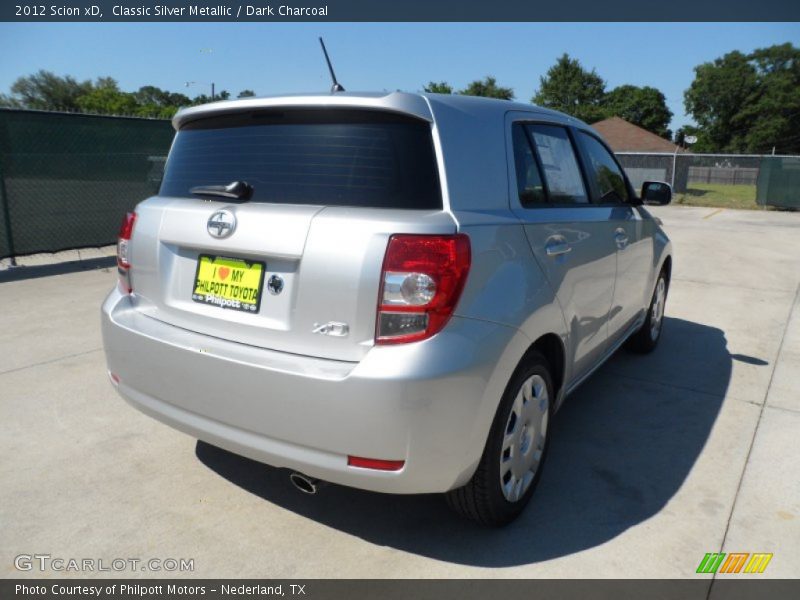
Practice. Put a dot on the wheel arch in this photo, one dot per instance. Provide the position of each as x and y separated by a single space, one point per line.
666 266
551 347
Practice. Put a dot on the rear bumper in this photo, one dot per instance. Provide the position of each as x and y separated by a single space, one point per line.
429 404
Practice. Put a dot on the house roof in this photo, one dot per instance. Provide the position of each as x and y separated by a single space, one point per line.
627 137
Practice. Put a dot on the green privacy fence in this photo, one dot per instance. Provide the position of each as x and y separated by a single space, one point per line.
66 180
778 182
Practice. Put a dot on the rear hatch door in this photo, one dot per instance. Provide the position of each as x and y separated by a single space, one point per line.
293 262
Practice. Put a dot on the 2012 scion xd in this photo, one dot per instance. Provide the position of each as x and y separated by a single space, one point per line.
393 292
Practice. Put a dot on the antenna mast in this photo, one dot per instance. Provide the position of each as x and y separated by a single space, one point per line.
336 87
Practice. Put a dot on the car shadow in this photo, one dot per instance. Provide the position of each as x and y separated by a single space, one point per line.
622 446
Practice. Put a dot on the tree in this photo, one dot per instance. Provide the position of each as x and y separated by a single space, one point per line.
47 91
770 117
105 98
150 95
7 101
441 87
204 99
157 112
643 106
570 88
716 96
748 103
488 88
154 102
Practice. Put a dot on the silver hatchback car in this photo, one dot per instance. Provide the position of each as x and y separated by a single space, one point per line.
393 292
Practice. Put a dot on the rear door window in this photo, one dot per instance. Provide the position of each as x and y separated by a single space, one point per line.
530 186
603 171
560 165
331 158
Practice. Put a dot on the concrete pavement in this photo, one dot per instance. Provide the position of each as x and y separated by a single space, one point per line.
655 461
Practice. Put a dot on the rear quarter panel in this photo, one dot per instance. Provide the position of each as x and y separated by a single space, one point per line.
505 285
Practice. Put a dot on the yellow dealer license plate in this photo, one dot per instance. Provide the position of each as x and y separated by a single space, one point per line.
229 282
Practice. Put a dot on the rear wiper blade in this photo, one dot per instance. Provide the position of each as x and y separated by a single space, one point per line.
238 190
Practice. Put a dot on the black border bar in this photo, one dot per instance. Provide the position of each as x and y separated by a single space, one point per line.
400 11
746 587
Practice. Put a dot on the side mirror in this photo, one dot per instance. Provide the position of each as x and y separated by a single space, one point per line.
656 192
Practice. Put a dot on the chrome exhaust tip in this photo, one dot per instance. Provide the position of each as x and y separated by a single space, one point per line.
304 483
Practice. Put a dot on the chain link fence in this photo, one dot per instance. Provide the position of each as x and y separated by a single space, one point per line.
66 180
760 179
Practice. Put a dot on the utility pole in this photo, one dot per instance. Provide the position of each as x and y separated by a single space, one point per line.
209 51
674 163
688 140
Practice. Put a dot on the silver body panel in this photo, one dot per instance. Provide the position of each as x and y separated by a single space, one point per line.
266 386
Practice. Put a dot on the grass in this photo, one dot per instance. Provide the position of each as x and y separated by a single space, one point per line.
719 195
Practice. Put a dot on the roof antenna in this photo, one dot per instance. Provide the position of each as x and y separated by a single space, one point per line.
336 87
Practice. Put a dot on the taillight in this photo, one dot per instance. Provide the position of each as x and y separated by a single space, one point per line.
123 249
421 281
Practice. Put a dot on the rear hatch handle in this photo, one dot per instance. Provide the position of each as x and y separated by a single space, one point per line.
238 190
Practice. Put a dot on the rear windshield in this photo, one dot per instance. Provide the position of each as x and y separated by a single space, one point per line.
335 158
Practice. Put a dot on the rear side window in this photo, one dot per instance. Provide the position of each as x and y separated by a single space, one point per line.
603 171
529 179
561 170
332 158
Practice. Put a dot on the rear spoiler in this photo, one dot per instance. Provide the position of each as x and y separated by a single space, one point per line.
413 105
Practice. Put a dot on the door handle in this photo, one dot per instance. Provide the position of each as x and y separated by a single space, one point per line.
621 238
556 246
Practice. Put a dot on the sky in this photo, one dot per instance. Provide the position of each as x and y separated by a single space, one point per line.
275 58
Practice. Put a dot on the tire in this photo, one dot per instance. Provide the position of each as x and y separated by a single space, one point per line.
646 338
497 495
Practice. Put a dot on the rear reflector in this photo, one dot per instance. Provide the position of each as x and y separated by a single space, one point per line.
375 463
